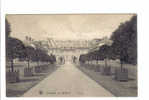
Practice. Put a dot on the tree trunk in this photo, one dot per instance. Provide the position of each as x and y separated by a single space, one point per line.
38 63
12 67
106 62
121 66
96 62
28 64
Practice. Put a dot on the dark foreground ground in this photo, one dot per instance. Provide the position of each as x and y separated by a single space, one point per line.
119 89
26 83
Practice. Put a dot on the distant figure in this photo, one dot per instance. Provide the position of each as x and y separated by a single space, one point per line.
74 59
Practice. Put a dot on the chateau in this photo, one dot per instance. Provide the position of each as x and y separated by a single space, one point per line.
66 47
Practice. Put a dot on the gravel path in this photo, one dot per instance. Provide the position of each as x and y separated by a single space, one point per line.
67 81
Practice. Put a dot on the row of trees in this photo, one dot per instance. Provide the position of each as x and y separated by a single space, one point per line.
124 46
16 49
37 55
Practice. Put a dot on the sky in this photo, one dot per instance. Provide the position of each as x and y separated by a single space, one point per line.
65 26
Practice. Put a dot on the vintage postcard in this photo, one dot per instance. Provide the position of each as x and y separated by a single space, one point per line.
71 55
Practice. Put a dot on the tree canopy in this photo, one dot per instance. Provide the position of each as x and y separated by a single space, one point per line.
125 41
124 46
14 48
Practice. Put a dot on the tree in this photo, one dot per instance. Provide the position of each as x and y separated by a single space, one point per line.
53 58
96 55
105 53
125 41
14 49
29 51
93 55
42 55
83 58
7 28
37 56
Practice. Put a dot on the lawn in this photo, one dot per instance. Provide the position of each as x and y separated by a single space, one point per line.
117 88
26 83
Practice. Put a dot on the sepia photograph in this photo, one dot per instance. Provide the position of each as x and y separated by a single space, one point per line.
71 55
